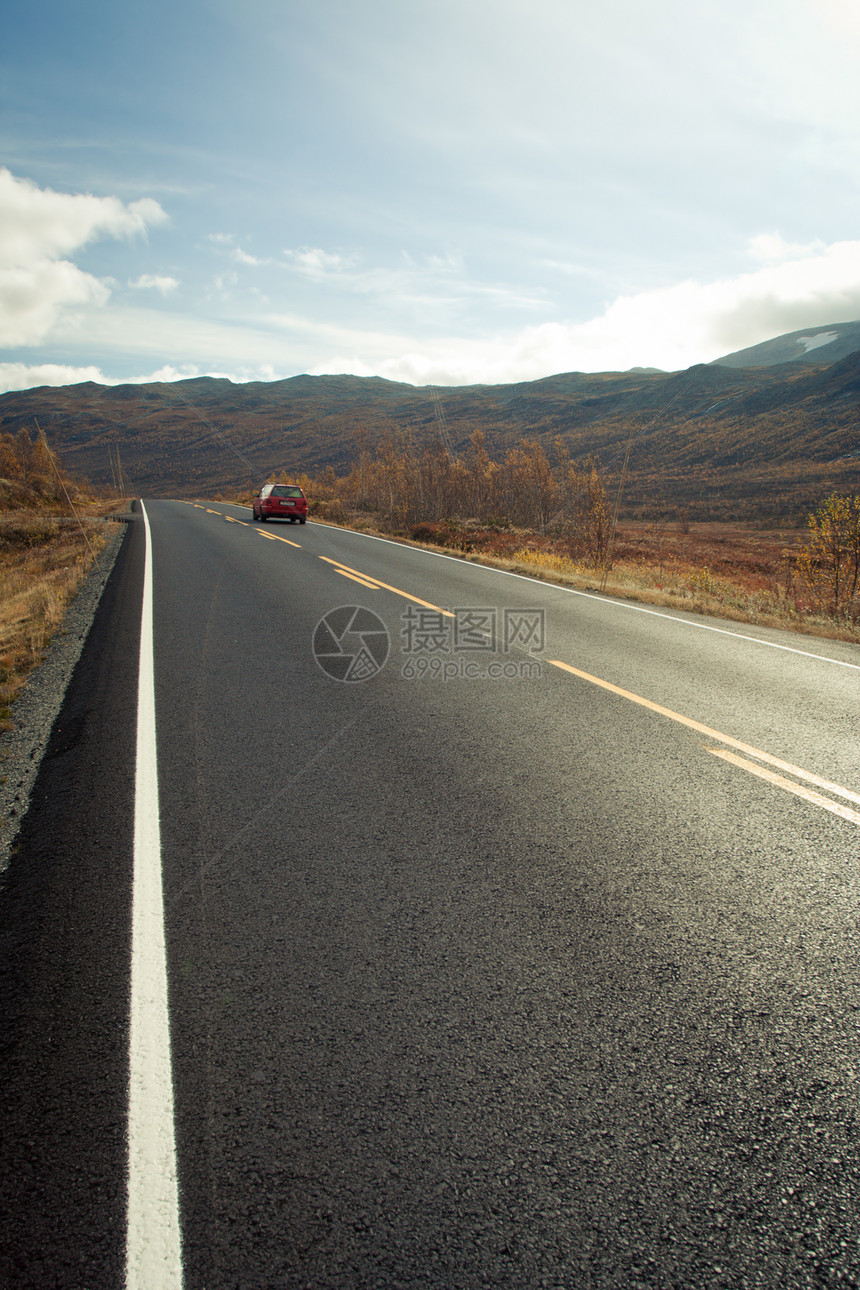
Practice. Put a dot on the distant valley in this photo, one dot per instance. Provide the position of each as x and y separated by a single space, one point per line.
764 432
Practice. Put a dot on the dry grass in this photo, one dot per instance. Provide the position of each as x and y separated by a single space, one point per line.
722 570
43 561
725 570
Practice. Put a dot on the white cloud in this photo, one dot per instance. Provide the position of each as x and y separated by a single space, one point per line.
671 328
316 263
772 247
693 322
23 376
242 257
227 242
32 295
41 224
795 286
155 282
433 287
224 282
38 228
171 373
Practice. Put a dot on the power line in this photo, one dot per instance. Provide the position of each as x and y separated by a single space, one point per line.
255 470
441 423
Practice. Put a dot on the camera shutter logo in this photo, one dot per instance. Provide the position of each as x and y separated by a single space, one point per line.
351 643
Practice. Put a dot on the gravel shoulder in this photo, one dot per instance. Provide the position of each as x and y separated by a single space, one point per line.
38 705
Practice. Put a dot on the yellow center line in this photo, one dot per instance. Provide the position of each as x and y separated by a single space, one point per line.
209 511
710 733
273 537
798 789
343 573
231 519
385 587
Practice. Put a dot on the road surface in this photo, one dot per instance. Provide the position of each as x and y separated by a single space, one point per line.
510 935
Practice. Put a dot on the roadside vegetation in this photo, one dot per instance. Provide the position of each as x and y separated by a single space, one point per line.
52 528
555 518
733 444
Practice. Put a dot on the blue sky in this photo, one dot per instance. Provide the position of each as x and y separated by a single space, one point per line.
436 191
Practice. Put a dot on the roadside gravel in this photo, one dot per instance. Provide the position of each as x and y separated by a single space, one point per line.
37 707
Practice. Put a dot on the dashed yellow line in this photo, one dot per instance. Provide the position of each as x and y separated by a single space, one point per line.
737 744
364 579
354 578
369 579
232 519
274 537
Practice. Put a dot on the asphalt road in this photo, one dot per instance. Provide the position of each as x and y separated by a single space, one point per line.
481 972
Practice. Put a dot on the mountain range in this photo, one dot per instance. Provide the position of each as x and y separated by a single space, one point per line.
814 345
764 432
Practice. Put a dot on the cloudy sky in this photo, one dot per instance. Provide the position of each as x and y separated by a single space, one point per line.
435 191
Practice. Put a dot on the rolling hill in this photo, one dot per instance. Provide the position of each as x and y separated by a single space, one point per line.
767 438
814 345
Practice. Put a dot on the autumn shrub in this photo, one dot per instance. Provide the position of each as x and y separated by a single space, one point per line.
425 532
335 510
829 564
587 522
408 484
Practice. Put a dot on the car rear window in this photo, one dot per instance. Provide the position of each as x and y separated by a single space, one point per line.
286 490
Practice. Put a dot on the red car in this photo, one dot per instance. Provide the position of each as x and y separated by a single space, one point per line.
280 501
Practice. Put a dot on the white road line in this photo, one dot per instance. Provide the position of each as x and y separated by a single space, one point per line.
604 600
153 1253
